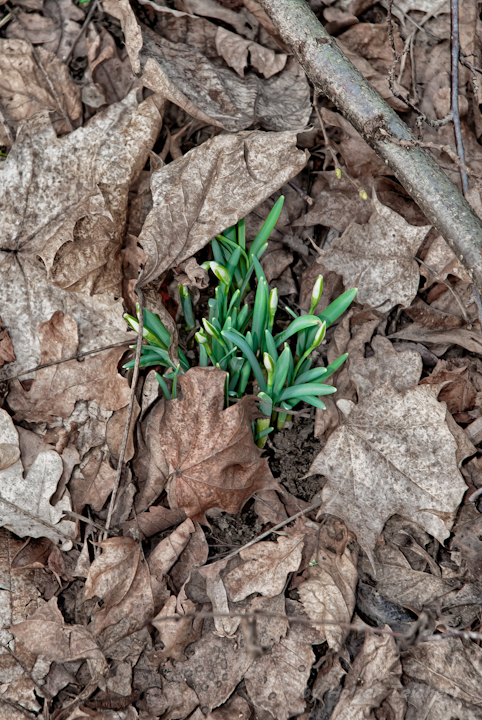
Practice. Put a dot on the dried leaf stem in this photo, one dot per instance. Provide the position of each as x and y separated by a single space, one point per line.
135 377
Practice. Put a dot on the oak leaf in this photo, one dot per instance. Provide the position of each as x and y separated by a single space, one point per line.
211 452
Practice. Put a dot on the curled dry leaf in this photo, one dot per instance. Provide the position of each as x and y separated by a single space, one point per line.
276 682
234 49
57 212
468 339
24 89
433 705
373 680
329 593
395 454
175 633
448 666
45 633
7 353
265 568
26 508
121 578
211 452
216 592
56 389
379 258
224 179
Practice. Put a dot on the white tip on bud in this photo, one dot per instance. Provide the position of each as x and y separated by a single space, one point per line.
268 362
220 272
316 293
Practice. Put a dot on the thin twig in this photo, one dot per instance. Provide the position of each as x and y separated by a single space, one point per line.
455 53
72 357
87 20
130 410
257 539
69 514
301 192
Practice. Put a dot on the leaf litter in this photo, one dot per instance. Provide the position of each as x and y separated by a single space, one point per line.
128 148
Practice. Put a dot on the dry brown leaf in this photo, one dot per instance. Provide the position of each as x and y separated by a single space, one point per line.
7 353
27 510
175 634
276 682
433 705
369 40
216 592
395 454
457 389
217 95
448 666
373 680
328 595
401 369
213 670
234 50
265 568
337 204
439 262
18 595
194 556
120 576
25 91
379 258
468 339
241 21
235 708
224 179
45 633
432 318
122 10
93 483
56 389
211 453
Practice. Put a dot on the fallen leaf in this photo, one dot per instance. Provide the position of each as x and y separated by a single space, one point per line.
122 10
235 707
214 669
447 666
155 520
265 568
369 40
120 577
395 454
211 452
235 49
432 318
175 634
379 258
46 633
24 501
18 594
440 262
433 705
271 619
468 541
241 21
328 595
216 592
373 680
224 178
332 199
276 682
57 389
24 89
93 483
401 369
194 556
468 339
7 353
381 611
217 95
457 389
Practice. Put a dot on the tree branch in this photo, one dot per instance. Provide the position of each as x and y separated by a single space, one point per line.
334 75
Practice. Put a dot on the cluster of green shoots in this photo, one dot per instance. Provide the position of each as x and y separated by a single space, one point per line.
241 339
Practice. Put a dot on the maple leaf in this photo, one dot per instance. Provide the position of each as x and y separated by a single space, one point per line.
215 462
394 455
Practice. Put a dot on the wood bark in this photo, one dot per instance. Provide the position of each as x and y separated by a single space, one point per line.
336 77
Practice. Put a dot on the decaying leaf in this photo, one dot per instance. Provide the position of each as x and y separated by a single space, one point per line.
211 452
395 454
234 49
175 634
276 682
56 389
433 705
7 353
46 633
329 593
24 90
401 369
373 679
224 179
214 669
378 258
447 666
120 576
265 568
216 591
24 501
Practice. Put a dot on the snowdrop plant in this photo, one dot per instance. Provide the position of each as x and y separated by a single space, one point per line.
241 340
